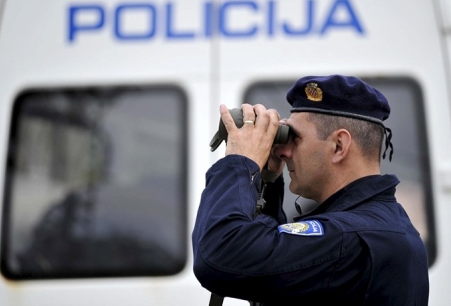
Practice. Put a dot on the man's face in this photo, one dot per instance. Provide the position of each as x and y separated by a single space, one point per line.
307 157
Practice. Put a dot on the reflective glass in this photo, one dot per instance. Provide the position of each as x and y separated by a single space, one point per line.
96 183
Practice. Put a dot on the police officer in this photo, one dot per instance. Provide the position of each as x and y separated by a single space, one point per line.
357 247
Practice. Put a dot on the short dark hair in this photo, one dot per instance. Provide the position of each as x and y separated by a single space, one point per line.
368 135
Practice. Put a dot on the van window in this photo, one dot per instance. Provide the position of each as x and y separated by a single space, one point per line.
96 183
410 161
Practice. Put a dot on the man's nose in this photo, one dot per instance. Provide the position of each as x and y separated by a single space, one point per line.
283 151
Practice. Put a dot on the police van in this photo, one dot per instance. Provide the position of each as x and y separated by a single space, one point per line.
107 109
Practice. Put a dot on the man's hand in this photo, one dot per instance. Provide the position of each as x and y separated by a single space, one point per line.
253 140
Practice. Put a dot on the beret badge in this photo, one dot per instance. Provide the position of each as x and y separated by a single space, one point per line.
313 92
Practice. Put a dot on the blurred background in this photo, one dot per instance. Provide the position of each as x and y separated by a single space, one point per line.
107 109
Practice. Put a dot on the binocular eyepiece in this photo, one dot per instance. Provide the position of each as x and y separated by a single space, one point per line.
283 132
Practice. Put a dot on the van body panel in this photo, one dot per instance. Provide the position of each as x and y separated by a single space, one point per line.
214 52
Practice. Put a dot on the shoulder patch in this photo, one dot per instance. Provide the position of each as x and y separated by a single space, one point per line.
303 228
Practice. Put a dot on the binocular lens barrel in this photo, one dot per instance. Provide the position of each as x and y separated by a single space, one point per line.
281 137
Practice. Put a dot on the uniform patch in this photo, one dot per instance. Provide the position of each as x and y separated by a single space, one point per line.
303 228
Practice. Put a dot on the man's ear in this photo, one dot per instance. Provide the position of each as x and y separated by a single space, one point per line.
342 139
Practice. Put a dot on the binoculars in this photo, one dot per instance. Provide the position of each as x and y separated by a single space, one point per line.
283 132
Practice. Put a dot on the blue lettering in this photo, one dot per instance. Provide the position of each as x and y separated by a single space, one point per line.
209 10
217 20
314 227
331 22
170 32
150 32
297 32
223 25
74 25
271 18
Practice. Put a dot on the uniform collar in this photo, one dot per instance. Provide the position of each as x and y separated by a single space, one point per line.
357 192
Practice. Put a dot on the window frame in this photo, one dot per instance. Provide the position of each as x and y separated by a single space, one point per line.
6 226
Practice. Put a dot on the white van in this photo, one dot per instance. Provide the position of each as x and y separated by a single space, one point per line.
107 109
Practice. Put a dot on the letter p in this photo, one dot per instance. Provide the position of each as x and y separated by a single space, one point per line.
85 18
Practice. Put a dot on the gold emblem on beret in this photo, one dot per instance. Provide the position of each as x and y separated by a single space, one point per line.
313 92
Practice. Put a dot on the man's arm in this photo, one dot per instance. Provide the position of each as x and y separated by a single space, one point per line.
245 256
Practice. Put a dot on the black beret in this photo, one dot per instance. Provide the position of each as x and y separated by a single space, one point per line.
340 96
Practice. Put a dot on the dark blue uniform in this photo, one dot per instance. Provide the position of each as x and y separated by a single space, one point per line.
357 248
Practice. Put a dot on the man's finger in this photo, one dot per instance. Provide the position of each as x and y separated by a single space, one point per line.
248 113
274 120
226 118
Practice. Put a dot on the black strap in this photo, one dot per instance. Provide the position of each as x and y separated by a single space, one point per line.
388 144
216 300
267 177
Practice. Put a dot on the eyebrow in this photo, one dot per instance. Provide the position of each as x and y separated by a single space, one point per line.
293 130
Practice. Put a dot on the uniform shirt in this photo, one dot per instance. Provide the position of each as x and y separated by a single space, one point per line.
357 248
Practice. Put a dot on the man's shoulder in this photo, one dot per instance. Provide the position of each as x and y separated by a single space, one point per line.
371 215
